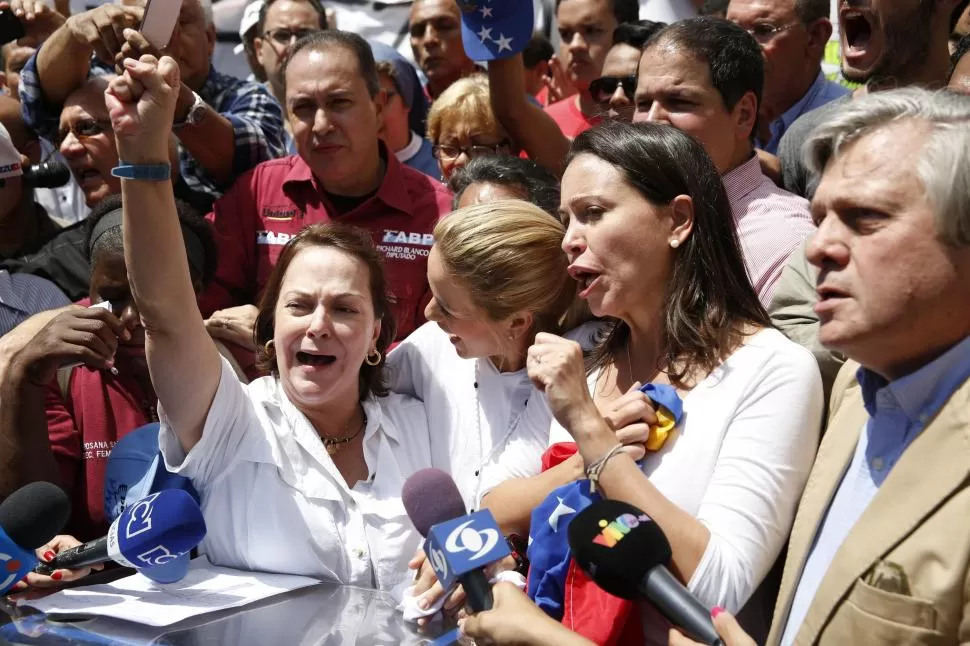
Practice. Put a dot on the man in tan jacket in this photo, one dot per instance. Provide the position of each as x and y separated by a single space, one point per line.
880 548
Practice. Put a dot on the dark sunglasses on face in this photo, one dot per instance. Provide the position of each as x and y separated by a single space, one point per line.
605 87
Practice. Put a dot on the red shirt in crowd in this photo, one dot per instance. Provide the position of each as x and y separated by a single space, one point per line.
570 118
542 97
98 410
271 203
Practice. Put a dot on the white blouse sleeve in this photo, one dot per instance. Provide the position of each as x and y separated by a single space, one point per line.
407 368
760 471
522 456
230 418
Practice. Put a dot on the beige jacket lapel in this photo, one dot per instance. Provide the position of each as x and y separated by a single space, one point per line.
934 466
834 455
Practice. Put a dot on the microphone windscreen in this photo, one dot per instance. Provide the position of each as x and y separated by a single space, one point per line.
616 544
51 174
154 529
34 514
430 497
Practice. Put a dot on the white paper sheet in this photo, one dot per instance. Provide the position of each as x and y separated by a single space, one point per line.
206 588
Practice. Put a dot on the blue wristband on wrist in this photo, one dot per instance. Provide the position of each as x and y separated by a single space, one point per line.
146 172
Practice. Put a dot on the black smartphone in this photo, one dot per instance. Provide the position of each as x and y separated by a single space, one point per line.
10 27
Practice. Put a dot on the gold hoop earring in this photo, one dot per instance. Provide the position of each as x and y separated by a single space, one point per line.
268 348
373 362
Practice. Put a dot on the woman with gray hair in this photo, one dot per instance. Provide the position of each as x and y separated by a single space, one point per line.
502 177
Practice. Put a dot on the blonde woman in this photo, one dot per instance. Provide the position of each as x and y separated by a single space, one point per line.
461 125
498 277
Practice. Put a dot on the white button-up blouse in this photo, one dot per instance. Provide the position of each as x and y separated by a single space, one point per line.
274 501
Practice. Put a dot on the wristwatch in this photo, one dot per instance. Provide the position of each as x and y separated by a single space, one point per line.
195 114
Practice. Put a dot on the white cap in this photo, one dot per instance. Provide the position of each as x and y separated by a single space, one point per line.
9 156
249 20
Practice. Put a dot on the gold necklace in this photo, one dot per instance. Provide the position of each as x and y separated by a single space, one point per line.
333 445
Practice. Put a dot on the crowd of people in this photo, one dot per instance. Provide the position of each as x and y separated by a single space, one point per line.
350 266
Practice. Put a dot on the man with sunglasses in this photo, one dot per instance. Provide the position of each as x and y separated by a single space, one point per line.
793 35
586 29
615 89
586 32
86 141
64 204
282 23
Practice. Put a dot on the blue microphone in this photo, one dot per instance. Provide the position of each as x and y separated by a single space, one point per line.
458 547
134 471
29 518
151 532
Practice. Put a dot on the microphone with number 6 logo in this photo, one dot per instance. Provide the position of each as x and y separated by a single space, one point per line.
624 552
29 518
153 531
458 546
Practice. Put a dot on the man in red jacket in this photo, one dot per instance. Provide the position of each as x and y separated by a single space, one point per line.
342 172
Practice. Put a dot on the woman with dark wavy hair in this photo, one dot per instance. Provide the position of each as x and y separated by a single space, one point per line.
651 242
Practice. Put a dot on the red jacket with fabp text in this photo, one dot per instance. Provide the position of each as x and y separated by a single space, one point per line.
271 203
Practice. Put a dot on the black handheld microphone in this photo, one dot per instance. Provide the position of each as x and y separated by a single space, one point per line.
29 518
50 174
624 552
458 547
